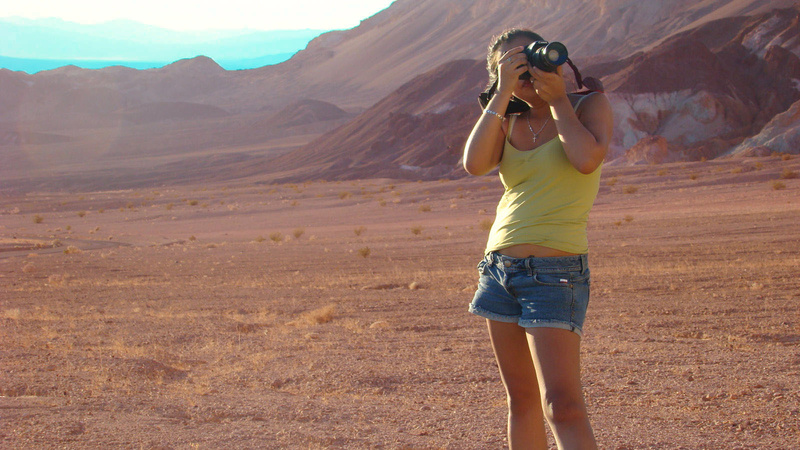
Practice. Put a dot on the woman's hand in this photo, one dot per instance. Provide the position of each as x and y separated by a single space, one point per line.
510 66
549 86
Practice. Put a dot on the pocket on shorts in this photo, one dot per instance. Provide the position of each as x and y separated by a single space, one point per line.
560 279
482 267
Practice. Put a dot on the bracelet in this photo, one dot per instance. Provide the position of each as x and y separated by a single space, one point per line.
489 111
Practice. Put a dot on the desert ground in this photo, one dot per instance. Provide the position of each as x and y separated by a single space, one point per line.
334 314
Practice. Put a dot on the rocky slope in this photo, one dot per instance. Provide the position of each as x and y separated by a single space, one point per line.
704 76
695 95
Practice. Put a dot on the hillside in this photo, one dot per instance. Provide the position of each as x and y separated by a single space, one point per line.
703 76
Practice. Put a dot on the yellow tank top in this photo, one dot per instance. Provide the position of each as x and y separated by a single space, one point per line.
546 200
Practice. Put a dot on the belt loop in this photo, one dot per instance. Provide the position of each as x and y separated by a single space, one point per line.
528 266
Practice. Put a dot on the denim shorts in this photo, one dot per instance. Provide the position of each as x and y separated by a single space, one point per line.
533 292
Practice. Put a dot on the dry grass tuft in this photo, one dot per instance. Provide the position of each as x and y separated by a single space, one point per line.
57 280
364 251
788 174
29 268
316 316
72 249
360 230
631 189
425 208
298 232
416 229
276 237
778 185
38 219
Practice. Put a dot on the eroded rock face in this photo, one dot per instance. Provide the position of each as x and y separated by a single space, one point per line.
649 150
781 134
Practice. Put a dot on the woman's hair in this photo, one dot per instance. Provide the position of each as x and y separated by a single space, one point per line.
493 56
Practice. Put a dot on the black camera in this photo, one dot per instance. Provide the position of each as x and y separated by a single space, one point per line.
545 55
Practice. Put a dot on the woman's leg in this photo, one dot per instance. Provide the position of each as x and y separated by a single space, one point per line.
556 356
525 419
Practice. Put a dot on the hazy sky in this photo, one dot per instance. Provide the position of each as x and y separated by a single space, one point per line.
199 15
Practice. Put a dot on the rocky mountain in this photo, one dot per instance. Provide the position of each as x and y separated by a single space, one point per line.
695 95
395 96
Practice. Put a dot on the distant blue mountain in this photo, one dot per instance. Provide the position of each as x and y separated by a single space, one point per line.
32 45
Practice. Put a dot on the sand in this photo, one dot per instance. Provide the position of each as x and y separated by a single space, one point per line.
333 315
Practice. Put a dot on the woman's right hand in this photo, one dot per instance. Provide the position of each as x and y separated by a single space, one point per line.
510 66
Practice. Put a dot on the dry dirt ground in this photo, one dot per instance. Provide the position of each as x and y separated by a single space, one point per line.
333 315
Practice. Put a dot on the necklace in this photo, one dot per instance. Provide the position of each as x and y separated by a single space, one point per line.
535 134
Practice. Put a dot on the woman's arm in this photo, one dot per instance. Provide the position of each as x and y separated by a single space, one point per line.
586 137
484 148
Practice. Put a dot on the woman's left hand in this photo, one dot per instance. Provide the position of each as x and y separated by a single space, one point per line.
549 86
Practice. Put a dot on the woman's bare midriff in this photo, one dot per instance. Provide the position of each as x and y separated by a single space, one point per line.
536 251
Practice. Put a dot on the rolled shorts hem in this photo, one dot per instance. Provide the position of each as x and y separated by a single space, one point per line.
537 323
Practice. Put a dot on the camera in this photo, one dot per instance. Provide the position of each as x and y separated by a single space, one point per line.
545 55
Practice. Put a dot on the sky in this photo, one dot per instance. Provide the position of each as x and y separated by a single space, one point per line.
203 15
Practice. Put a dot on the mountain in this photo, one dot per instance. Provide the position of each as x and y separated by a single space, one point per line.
395 96
694 95
31 45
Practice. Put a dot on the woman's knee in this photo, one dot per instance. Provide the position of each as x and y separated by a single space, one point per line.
562 407
522 401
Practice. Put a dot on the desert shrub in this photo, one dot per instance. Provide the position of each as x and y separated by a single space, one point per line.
193 202
662 172
416 229
82 214
360 230
260 239
276 237
612 181
72 249
298 232
778 185
628 218
630 189
693 176
38 219
344 194
788 174
364 252
424 208
316 316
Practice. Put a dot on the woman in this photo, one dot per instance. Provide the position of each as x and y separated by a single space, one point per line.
534 278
